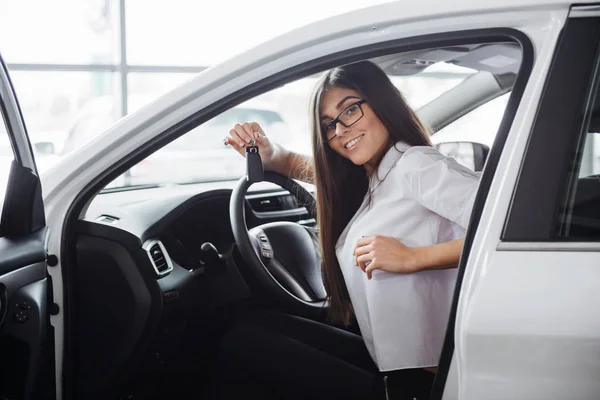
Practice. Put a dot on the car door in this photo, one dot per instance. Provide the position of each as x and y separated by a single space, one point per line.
26 339
527 325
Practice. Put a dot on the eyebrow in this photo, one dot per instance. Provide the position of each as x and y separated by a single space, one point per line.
340 104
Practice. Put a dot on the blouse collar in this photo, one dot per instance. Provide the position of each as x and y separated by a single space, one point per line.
386 164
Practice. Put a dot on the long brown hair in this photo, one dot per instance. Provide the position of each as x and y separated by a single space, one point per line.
341 185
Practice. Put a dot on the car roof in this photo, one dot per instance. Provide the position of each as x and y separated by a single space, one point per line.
470 4
379 16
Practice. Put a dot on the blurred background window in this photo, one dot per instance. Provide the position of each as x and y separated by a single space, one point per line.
79 66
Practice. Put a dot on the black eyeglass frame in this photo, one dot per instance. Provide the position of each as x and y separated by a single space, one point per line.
337 119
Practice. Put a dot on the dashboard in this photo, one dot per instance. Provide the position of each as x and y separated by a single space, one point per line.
154 266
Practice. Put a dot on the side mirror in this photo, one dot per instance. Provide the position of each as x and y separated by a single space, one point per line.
471 155
45 148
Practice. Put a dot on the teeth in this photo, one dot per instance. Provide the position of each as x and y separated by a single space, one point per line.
353 142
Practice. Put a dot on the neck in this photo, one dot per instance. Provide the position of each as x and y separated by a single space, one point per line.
370 168
372 165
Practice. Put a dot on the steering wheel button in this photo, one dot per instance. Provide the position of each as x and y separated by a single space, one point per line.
266 246
267 254
21 317
263 239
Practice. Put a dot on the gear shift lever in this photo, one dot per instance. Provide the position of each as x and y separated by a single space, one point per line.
213 261
210 254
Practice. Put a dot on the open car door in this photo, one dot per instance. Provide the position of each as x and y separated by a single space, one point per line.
26 338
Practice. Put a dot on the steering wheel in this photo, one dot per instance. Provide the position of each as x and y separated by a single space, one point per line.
283 256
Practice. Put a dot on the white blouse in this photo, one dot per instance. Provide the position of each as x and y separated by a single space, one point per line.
421 198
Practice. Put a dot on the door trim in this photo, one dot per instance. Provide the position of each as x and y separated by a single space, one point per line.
487 177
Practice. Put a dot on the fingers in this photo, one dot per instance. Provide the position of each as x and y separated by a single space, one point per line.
248 133
255 127
234 137
238 133
243 134
359 251
235 143
365 258
261 139
363 246
362 265
370 268
364 241
363 249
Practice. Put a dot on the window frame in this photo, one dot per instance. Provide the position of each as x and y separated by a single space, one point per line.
534 213
527 61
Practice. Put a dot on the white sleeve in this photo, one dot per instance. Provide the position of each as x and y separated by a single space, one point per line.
440 183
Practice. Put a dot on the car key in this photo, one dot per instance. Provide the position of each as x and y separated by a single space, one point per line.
254 166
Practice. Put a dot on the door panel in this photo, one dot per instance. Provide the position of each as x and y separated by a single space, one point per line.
26 336
526 322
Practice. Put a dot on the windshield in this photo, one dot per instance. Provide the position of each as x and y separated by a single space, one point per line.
200 155
209 136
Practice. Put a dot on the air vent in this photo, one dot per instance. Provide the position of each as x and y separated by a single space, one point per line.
107 219
272 203
158 257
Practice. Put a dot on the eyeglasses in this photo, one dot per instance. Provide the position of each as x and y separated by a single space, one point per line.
348 117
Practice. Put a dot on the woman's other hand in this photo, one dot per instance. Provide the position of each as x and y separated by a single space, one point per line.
242 135
385 253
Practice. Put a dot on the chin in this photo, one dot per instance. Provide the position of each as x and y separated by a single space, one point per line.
360 160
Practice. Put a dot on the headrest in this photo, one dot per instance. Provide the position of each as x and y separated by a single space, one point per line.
470 154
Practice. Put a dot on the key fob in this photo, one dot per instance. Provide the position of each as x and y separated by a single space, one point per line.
254 166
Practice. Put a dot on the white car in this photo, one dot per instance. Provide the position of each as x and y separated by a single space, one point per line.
116 293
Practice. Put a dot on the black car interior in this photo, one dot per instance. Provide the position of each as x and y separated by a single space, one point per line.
157 284
26 336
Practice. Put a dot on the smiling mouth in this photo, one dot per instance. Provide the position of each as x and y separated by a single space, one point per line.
353 142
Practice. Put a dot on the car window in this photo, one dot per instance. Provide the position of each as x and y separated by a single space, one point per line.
581 211
469 138
209 136
556 197
478 126
200 154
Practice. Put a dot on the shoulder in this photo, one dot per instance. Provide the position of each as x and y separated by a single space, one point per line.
426 172
421 155
426 158
417 158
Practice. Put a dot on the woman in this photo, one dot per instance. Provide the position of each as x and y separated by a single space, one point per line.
392 212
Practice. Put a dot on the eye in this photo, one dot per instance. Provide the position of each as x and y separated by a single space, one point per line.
328 127
352 109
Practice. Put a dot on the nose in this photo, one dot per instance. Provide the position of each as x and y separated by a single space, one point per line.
340 129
